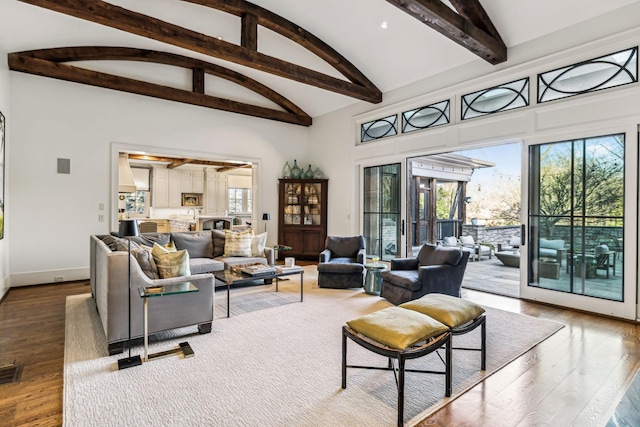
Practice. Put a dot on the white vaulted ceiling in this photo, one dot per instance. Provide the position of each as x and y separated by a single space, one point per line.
405 52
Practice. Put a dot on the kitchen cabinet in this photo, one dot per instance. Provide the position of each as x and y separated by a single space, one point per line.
192 181
302 216
175 188
160 194
216 194
169 184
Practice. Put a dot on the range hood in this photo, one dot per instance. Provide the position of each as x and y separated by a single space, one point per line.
126 184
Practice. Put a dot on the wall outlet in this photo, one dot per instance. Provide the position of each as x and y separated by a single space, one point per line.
58 279
100 218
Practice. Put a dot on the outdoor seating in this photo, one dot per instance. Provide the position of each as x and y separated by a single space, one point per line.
479 249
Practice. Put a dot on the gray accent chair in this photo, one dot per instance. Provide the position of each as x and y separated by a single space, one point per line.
341 264
436 269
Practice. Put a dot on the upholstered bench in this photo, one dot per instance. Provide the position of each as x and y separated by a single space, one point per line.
461 316
400 334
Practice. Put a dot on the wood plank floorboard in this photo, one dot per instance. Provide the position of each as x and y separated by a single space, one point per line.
576 377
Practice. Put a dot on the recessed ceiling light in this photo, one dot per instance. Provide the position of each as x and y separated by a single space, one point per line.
384 25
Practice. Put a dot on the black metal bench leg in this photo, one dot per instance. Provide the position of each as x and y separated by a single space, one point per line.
400 391
448 374
344 359
483 349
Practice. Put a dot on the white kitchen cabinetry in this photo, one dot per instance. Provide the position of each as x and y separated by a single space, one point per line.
216 193
160 195
192 181
169 184
175 188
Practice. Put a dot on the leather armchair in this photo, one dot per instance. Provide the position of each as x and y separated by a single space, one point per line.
341 264
436 269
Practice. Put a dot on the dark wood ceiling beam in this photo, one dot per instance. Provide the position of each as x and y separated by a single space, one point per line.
178 162
95 53
47 68
228 168
190 161
143 25
198 80
441 18
249 36
293 32
473 11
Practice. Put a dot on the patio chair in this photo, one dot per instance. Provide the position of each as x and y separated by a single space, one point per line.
478 249
605 259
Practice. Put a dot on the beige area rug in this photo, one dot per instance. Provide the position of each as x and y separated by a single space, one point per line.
278 366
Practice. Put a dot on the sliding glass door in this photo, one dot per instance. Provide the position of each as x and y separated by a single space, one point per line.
382 222
576 224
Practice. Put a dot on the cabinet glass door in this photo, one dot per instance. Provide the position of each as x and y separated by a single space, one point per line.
312 204
292 202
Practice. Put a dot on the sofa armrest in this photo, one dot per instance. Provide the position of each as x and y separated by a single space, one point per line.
269 254
404 264
362 256
325 256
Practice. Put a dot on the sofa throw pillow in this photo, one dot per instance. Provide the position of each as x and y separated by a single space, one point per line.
258 243
146 261
218 242
199 245
170 263
117 243
237 244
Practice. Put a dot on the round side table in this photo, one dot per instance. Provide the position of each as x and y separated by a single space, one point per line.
373 279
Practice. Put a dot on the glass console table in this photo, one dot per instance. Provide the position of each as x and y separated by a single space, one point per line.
161 291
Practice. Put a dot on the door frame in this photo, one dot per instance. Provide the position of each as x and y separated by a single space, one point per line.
627 309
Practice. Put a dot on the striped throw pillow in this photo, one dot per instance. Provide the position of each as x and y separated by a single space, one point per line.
237 243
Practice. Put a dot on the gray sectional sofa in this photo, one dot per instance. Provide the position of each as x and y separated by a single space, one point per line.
109 283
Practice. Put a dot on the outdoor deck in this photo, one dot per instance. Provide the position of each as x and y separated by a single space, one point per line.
490 275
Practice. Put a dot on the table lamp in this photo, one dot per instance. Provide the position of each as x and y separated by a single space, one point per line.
129 229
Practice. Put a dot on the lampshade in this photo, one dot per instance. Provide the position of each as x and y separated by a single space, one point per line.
128 228
266 217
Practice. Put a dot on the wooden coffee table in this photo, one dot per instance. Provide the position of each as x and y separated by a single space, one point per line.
230 278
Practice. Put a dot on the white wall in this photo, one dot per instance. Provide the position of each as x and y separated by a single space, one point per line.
4 109
53 214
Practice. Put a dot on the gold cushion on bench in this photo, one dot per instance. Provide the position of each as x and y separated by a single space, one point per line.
397 328
446 309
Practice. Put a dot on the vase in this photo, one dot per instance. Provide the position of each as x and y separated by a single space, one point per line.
295 170
318 174
309 173
286 171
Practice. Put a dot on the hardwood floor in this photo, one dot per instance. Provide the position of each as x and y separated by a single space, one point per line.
32 333
576 377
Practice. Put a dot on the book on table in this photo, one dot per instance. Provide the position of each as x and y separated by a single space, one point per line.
283 269
256 270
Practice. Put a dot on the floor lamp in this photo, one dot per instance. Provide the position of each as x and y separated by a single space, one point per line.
129 229
265 217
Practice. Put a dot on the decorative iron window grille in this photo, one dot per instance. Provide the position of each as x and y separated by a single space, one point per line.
616 69
378 129
426 117
498 98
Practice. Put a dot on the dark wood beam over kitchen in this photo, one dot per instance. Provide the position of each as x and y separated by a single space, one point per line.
357 86
49 63
174 162
470 27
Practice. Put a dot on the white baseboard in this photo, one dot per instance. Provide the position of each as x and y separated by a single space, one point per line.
52 276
